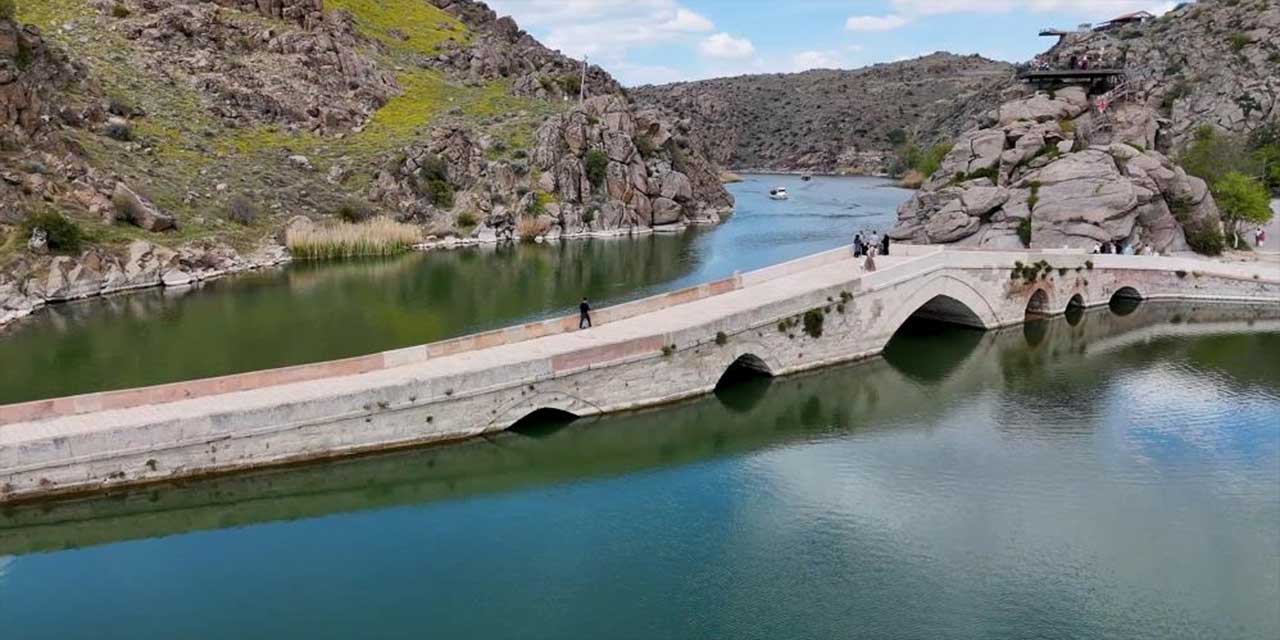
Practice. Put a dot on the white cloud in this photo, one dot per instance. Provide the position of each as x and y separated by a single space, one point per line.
1101 9
723 45
875 23
805 60
604 28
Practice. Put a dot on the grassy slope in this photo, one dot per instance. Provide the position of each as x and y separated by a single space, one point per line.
191 151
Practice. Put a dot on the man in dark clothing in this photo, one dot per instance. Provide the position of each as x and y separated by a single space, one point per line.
584 315
857 245
884 245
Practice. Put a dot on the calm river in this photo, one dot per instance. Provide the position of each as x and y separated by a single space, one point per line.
1109 475
314 312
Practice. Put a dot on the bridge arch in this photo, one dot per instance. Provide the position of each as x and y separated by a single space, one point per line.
542 421
1039 304
747 366
1125 300
943 298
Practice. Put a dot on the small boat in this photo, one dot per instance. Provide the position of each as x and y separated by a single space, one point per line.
806 177
778 193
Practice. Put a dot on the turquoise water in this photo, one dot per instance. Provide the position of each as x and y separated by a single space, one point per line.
1107 476
315 312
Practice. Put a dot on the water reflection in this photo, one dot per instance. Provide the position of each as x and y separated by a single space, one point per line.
311 312
1046 385
1015 490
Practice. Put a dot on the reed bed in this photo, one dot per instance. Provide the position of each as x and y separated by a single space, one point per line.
374 237
530 227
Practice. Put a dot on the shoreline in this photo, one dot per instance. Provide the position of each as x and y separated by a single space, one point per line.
18 307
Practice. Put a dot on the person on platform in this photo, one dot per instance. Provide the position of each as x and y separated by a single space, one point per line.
1260 237
584 315
858 247
884 245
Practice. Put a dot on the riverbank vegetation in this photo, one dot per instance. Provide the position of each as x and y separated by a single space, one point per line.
914 164
1242 172
373 237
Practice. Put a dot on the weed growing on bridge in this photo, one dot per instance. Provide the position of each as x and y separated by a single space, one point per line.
721 338
813 320
1088 264
1181 273
668 350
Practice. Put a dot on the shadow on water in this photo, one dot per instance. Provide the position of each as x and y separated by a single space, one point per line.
924 373
930 350
1123 305
543 423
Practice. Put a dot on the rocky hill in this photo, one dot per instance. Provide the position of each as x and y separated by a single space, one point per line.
178 137
1069 168
1212 62
833 121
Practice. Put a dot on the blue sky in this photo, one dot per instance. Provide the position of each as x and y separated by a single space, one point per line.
644 41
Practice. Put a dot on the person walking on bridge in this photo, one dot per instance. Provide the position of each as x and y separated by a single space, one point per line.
584 315
884 245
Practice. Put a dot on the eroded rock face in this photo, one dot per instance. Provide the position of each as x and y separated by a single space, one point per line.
1210 62
1035 162
140 212
313 76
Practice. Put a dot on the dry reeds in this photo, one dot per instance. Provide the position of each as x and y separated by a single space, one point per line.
529 228
374 237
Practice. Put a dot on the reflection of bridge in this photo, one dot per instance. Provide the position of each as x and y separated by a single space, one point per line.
800 315
869 395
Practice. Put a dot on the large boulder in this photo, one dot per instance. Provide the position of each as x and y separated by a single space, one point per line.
139 211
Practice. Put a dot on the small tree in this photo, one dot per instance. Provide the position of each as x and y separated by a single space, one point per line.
597 163
8 9
1241 199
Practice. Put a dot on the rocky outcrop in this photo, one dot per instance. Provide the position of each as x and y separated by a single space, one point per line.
498 48
1213 62
29 284
646 177
832 120
1035 175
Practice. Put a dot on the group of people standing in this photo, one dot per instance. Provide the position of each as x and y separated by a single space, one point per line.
1121 248
872 245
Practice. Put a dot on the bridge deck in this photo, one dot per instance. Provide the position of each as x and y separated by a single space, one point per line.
648 327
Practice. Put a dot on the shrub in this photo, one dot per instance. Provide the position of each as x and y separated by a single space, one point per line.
645 146
668 349
8 9
375 237
242 210
353 211
1024 231
62 233
1206 239
466 219
1239 41
571 84
722 338
897 137
119 11
440 193
597 163
1067 126
434 168
119 131
1212 154
813 320
588 216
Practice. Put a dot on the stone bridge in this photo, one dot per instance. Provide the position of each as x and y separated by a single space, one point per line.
814 312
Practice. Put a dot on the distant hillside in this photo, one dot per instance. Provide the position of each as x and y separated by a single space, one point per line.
833 120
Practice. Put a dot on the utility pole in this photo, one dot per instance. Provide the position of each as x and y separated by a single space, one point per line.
582 86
